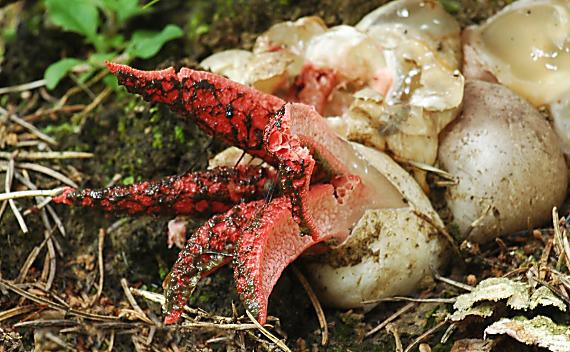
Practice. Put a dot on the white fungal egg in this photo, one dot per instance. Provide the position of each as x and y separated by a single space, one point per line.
509 166
389 251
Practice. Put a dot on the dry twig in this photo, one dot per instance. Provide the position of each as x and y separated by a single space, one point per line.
101 244
32 193
454 283
23 155
392 329
316 305
64 109
41 203
134 303
267 334
23 87
47 171
96 101
7 187
13 312
426 334
33 129
411 299
208 325
386 321
57 306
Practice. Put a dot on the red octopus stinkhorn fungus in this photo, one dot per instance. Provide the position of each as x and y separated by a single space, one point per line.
325 185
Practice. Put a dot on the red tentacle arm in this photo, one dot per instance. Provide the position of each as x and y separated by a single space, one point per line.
263 239
209 248
198 194
272 242
236 114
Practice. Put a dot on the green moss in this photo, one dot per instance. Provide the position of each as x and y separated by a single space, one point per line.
121 126
157 139
179 136
61 129
129 180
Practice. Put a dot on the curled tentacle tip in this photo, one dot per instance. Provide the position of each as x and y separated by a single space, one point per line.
172 317
114 67
62 198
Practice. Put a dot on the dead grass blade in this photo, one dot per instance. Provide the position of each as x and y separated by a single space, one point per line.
392 317
425 335
14 312
7 187
58 306
33 129
101 264
22 155
23 87
50 260
28 263
316 305
28 194
134 303
267 334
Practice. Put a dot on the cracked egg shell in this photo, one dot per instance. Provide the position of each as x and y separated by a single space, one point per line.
389 251
422 53
508 163
351 53
426 18
290 38
266 71
422 47
526 47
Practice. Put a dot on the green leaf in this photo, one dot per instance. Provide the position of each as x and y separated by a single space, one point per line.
56 71
79 16
111 81
98 59
129 180
124 9
116 41
145 44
